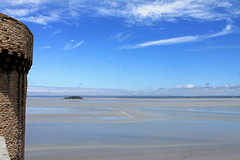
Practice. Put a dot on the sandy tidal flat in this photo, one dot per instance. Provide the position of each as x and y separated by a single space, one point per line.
129 129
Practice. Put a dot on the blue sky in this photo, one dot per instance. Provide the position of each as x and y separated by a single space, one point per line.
138 47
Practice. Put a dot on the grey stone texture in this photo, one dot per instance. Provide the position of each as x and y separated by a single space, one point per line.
16 51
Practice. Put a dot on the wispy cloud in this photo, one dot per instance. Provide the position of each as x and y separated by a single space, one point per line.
146 12
20 2
72 45
53 16
192 86
34 11
169 10
227 30
46 47
188 90
19 12
120 36
45 90
188 86
56 32
163 42
137 11
193 90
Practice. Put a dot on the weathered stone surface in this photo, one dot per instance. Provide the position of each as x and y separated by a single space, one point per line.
16 37
16 49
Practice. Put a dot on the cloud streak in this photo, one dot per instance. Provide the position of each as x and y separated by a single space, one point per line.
53 16
46 47
19 12
23 2
163 42
227 30
56 32
72 45
120 36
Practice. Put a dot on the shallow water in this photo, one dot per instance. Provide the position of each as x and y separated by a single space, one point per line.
90 128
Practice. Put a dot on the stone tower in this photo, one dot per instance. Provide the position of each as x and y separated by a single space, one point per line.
16 51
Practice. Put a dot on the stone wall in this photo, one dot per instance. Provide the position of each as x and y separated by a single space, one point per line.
16 37
16 49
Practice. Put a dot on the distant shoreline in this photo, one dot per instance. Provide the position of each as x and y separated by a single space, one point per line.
154 97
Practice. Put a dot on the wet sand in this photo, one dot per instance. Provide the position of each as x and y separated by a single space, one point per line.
125 128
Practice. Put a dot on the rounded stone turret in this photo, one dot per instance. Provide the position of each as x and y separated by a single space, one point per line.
16 40
16 53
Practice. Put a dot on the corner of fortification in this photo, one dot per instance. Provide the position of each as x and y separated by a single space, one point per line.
16 53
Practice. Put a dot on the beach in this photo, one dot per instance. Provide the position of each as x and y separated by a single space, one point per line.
132 128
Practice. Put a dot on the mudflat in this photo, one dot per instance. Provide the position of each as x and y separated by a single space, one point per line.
132 128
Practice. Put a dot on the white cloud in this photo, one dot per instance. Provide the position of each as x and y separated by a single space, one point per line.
53 16
72 45
46 47
191 86
120 36
188 86
19 12
179 86
188 90
146 12
227 30
198 9
232 86
56 32
157 9
44 91
164 42
19 2
140 11
34 11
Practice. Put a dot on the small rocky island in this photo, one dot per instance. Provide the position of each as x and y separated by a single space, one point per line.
73 97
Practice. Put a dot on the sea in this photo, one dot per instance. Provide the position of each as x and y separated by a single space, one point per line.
132 128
